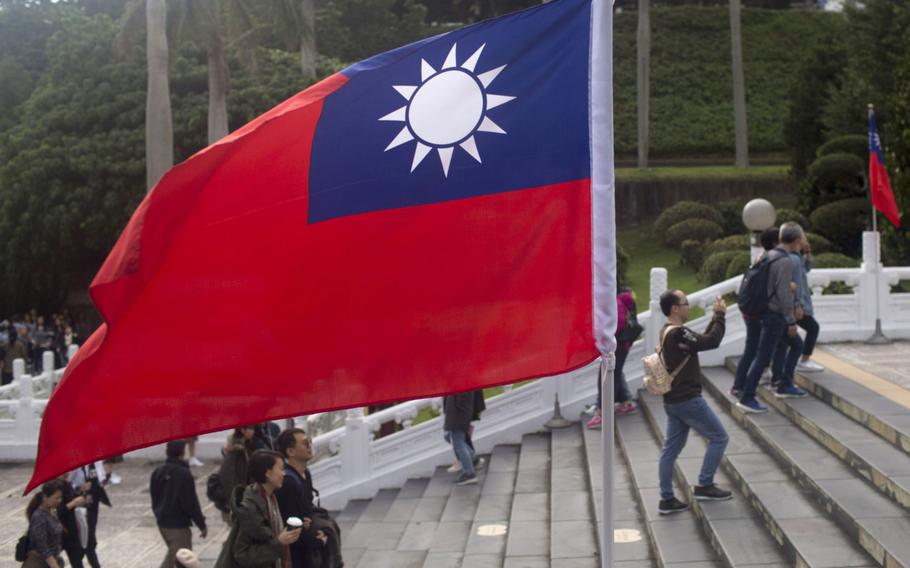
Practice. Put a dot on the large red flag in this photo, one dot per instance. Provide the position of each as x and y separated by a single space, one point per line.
427 221
879 183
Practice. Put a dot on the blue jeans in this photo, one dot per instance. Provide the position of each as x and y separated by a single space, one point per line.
785 359
753 332
697 415
772 327
463 450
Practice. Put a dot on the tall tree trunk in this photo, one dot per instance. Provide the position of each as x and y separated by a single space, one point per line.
644 80
159 131
739 86
308 40
218 90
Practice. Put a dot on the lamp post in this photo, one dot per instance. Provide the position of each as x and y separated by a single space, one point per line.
758 215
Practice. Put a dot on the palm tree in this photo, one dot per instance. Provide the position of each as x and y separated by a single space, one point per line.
644 80
739 87
159 134
294 21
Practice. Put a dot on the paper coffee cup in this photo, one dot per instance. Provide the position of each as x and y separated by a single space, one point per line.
295 522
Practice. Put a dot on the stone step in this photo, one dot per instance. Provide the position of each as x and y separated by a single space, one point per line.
631 543
573 530
865 518
885 465
734 532
886 418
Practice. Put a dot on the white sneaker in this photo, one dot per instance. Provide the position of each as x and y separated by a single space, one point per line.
115 479
194 462
809 367
455 467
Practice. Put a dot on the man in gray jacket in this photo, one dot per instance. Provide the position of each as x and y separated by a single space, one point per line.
777 323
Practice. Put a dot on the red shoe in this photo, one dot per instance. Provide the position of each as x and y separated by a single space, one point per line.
625 408
594 423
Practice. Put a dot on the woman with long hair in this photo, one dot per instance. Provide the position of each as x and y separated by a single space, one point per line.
258 537
45 532
234 468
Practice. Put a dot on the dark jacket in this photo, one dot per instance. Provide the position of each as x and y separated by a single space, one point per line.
174 500
234 470
295 499
459 410
67 518
251 543
682 341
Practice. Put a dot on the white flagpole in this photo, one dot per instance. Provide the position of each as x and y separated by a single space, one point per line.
608 435
878 338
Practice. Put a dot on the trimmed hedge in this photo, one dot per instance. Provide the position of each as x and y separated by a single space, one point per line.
819 243
692 229
685 210
733 242
738 265
831 178
692 253
855 144
791 216
843 223
714 269
834 260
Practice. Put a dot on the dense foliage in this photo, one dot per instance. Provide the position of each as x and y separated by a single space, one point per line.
843 222
692 229
682 211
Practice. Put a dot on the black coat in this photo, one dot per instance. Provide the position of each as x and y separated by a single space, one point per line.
174 499
460 411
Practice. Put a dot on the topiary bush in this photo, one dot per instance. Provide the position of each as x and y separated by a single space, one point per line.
855 144
791 216
843 223
738 265
834 260
732 214
692 229
714 269
819 243
692 253
733 242
831 178
683 211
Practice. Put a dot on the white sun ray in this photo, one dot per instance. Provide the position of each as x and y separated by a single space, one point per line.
450 58
399 115
489 126
470 146
445 156
420 152
403 137
494 101
406 91
487 78
472 61
426 70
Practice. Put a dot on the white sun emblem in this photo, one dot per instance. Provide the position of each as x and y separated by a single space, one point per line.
446 109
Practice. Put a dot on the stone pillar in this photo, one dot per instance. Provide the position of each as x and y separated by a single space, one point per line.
658 287
355 447
47 362
26 420
872 290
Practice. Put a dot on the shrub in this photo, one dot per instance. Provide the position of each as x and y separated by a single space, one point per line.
819 243
791 216
831 178
834 260
732 214
733 242
692 253
843 223
692 229
685 210
854 144
622 264
738 265
714 269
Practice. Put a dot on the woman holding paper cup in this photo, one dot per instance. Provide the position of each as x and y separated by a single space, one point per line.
259 537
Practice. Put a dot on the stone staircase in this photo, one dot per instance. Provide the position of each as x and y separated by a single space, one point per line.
818 482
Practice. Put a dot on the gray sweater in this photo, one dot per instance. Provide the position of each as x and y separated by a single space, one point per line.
781 274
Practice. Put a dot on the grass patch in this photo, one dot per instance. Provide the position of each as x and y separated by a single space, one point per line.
702 173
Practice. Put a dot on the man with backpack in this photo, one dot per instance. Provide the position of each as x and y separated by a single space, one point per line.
683 403
174 502
766 292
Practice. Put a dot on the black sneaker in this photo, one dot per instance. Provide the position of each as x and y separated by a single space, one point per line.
712 493
466 479
670 506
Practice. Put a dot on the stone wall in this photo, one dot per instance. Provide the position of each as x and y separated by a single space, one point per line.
642 201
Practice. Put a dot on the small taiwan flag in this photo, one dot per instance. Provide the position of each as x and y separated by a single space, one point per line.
879 184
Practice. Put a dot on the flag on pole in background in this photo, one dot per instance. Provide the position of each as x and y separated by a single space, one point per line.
434 219
879 183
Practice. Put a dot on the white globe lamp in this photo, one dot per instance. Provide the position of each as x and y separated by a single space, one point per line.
758 215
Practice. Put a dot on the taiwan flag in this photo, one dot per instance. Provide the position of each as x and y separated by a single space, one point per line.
435 219
879 183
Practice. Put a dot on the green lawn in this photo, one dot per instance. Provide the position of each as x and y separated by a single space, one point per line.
707 173
646 252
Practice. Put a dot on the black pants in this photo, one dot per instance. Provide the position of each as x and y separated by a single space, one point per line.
620 390
75 553
92 518
811 326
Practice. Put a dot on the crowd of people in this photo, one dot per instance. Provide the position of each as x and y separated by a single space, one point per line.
28 336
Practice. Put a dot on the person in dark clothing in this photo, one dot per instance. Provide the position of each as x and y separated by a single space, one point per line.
234 468
45 532
87 480
319 545
684 405
66 513
265 436
460 410
174 502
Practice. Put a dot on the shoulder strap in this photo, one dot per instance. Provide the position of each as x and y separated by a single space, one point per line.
660 349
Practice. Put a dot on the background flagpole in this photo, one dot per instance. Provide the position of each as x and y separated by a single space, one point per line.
878 338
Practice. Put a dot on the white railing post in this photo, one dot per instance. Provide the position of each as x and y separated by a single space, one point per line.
71 352
355 447
47 362
868 289
658 287
26 420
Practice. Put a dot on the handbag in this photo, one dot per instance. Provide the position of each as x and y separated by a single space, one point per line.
81 514
632 330
22 548
658 380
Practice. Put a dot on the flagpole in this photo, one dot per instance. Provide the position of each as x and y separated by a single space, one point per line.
878 338
608 435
